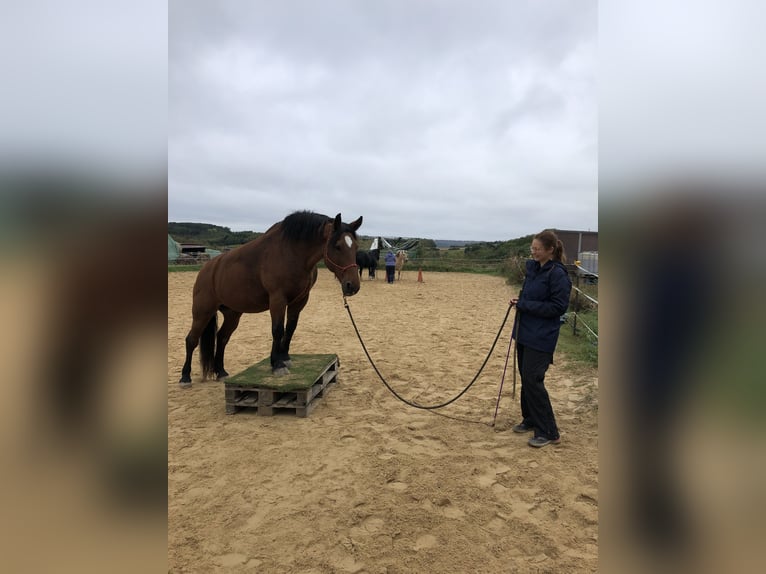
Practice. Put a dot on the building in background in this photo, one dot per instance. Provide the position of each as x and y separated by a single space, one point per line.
578 242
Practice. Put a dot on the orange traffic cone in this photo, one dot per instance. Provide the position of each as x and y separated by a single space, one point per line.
420 276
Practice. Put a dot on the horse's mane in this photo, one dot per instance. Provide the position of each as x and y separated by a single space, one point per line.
308 226
304 226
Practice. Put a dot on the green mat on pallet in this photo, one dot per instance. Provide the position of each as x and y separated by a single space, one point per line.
304 372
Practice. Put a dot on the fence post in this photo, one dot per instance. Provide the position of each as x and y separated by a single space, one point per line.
574 322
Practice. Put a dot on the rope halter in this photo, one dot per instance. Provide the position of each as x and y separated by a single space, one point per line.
338 268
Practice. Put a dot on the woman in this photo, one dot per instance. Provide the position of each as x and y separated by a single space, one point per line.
543 299
390 266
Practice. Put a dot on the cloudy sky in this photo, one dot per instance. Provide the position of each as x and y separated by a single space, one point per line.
439 119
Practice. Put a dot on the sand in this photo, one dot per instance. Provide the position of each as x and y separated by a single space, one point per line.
366 484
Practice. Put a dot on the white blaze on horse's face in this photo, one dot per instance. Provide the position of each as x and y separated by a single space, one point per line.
349 241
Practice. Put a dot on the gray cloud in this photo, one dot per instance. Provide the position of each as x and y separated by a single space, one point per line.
84 86
436 119
684 92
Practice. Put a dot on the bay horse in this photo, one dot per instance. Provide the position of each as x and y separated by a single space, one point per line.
368 260
274 272
401 259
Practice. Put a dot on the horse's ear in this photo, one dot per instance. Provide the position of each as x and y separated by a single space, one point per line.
336 223
327 232
356 224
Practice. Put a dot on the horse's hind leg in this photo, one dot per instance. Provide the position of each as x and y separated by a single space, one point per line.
199 323
230 323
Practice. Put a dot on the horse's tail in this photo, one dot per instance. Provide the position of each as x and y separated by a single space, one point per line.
207 347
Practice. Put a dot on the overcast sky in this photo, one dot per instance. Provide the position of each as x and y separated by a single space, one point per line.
440 119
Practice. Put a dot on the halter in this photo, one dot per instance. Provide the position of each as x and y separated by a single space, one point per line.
329 261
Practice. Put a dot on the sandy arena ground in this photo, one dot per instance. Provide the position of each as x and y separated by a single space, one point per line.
367 484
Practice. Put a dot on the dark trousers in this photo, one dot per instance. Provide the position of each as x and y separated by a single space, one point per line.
535 404
390 273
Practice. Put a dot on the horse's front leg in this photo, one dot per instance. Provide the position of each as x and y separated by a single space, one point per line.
284 348
278 367
293 312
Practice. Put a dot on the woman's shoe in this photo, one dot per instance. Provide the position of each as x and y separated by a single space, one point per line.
522 427
541 441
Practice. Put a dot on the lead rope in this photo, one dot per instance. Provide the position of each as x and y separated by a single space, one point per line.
502 379
411 403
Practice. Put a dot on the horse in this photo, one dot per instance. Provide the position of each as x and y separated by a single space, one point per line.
368 260
401 259
274 272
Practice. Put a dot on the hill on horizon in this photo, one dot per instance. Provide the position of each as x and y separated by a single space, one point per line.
219 237
454 242
209 234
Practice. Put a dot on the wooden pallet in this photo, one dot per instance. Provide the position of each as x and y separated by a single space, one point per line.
311 376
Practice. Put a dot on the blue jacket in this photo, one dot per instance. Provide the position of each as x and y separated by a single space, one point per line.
390 259
544 299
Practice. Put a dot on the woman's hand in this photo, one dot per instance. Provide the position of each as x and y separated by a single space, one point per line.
514 301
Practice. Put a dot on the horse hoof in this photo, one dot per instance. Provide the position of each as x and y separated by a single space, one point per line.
222 375
280 372
288 363
184 384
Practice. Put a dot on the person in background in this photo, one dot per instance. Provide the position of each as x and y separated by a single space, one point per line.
390 266
543 299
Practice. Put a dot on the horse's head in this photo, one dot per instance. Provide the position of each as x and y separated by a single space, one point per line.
340 253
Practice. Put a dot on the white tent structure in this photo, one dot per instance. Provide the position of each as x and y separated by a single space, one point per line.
382 244
174 250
